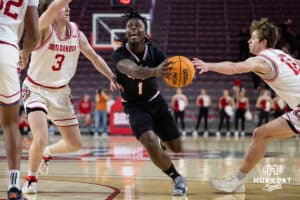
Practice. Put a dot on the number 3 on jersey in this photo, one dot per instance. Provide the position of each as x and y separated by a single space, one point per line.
7 9
59 61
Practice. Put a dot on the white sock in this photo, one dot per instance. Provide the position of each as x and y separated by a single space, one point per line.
47 152
14 178
240 175
30 173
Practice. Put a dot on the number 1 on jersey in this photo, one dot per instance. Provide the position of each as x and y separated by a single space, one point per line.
140 88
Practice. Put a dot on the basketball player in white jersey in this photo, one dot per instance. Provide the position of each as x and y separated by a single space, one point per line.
282 73
45 89
14 16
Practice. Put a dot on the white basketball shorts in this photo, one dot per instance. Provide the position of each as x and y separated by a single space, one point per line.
58 103
9 77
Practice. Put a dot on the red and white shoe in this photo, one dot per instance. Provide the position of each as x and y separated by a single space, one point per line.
30 185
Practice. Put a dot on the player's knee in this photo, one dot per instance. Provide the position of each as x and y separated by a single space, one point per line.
151 145
258 133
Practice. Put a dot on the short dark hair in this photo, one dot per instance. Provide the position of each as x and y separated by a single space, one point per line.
265 31
134 14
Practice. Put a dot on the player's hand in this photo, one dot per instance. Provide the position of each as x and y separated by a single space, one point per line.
23 60
114 85
164 69
201 65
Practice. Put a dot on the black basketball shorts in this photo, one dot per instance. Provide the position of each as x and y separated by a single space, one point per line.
155 116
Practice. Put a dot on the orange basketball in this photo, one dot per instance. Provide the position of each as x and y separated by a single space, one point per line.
182 73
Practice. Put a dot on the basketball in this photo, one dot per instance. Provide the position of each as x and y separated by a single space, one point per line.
182 73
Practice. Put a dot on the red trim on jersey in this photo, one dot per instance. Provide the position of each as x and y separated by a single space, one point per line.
43 43
275 66
58 120
49 87
9 104
10 95
7 43
69 26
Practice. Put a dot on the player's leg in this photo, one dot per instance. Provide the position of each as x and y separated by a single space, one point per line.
13 142
159 157
276 129
165 127
39 128
63 116
9 98
70 142
162 160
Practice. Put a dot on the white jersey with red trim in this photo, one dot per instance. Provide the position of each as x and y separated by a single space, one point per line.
285 76
12 15
54 62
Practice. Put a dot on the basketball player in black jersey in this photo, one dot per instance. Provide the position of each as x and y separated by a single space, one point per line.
137 64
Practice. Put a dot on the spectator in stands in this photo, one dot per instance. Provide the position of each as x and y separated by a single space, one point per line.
85 109
279 106
179 102
225 106
281 72
236 88
101 111
109 103
264 104
242 105
203 101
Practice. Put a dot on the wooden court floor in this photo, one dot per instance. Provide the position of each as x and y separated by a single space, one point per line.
118 168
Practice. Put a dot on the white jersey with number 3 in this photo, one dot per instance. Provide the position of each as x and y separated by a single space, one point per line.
12 13
285 76
54 62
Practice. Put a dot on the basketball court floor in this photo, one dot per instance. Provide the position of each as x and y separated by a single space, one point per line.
119 168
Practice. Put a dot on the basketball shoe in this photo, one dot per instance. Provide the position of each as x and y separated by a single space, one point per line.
29 186
44 166
230 185
180 186
14 194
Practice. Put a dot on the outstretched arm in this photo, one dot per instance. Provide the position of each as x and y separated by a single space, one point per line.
254 64
97 60
130 68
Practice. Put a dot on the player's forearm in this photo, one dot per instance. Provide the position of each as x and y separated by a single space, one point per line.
103 68
136 72
222 67
30 42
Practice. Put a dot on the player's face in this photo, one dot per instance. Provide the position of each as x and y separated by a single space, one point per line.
135 31
64 14
255 45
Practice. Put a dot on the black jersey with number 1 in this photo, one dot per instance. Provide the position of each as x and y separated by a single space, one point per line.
137 90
